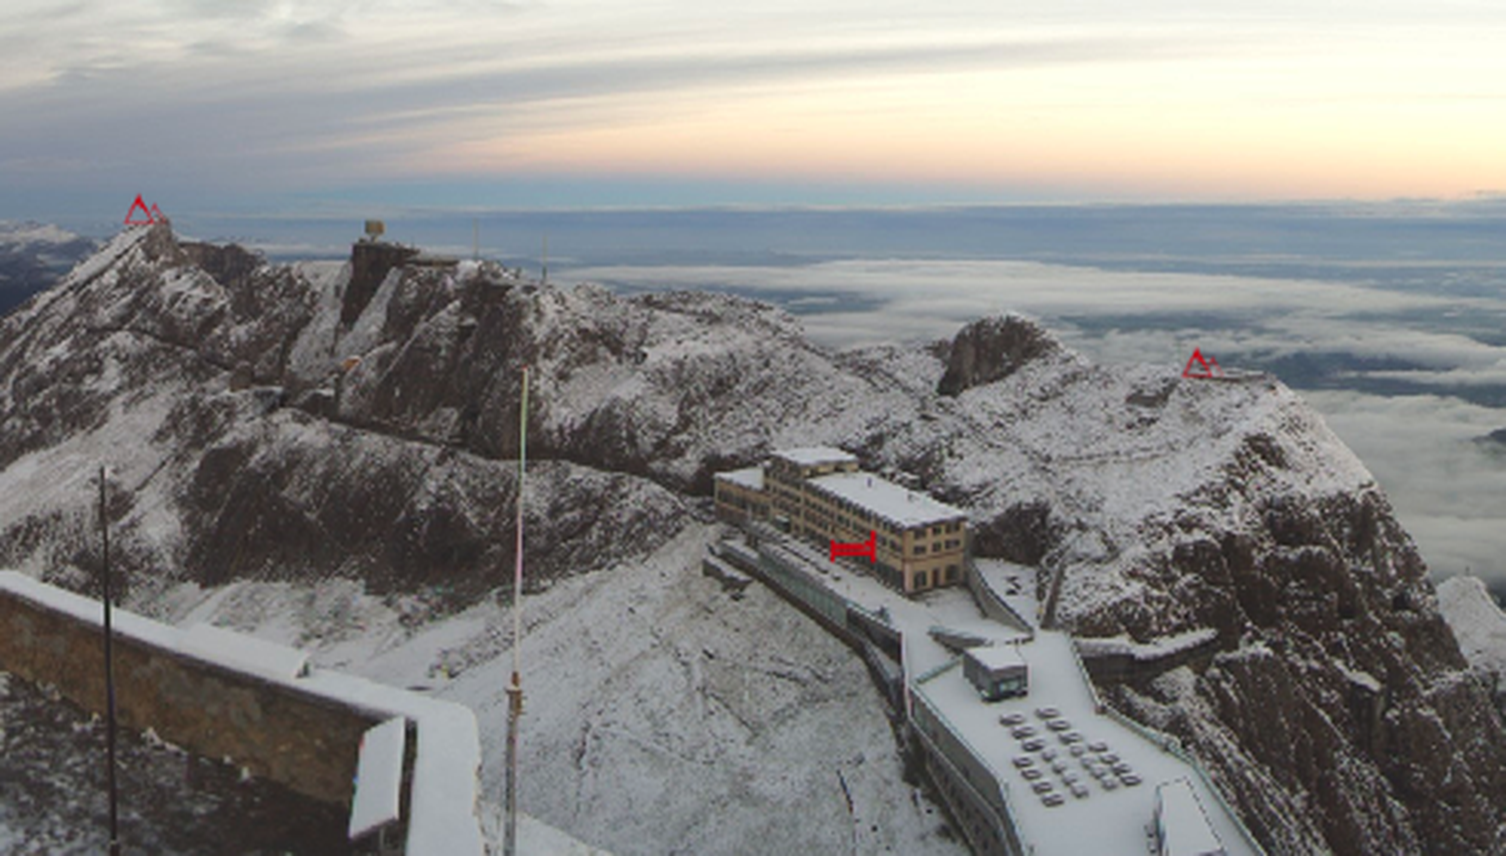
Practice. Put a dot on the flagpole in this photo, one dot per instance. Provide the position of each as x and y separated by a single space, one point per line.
515 690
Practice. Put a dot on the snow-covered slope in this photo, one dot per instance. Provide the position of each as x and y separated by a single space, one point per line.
1477 621
349 486
662 713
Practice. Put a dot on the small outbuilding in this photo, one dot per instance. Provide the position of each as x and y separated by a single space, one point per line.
997 671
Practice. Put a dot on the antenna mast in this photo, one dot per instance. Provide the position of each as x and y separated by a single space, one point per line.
515 690
104 531
545 279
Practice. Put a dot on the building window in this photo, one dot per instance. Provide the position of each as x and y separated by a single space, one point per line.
920 579
920 549
951 573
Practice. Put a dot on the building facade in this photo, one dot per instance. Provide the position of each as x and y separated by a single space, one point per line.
820 494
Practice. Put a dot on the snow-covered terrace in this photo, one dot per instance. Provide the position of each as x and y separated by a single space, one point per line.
1105 821
1110 818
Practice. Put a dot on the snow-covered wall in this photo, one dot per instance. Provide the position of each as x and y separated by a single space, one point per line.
255 703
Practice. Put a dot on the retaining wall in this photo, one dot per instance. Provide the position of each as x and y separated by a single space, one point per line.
992 602
298 739
220 695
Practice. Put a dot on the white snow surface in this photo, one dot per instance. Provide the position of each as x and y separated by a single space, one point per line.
749 477
1183 821
247 654
887 499
379 777
1477 620
1151 650
810 456
660 715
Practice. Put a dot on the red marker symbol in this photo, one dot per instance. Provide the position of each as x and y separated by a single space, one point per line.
1206 370
138 205
867 548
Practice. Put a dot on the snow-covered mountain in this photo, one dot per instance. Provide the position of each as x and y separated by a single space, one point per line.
33 257
322 453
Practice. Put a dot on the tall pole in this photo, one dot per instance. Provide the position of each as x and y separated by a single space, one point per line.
515 690
104 528
544 280
475 238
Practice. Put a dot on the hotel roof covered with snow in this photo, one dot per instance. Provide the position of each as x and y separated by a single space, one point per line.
819 493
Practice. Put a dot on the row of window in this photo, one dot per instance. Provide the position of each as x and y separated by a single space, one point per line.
950 577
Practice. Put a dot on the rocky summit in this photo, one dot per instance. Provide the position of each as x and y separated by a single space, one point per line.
360 421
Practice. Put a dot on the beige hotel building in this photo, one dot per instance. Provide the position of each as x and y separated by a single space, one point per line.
820 494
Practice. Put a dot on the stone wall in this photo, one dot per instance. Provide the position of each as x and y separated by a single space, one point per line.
304 741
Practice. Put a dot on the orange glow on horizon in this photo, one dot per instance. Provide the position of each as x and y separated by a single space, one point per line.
1242 128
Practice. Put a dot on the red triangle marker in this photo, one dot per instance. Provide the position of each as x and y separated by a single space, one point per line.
157 214
138 205
1197 357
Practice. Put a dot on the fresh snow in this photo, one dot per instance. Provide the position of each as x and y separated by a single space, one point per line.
749 477
245 653
1152 650
658 715
887 499
810 456
379 777
1477 621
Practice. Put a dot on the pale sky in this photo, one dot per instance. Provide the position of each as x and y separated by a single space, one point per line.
209 103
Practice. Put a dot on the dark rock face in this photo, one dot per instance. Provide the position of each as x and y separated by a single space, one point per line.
1339 682
992 349
1022 534
370 262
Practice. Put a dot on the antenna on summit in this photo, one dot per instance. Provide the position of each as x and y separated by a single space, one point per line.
515 689
475 239
545 278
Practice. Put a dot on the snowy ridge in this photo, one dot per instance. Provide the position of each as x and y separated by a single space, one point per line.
345 489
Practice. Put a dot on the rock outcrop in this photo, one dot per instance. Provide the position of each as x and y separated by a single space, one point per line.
992 349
